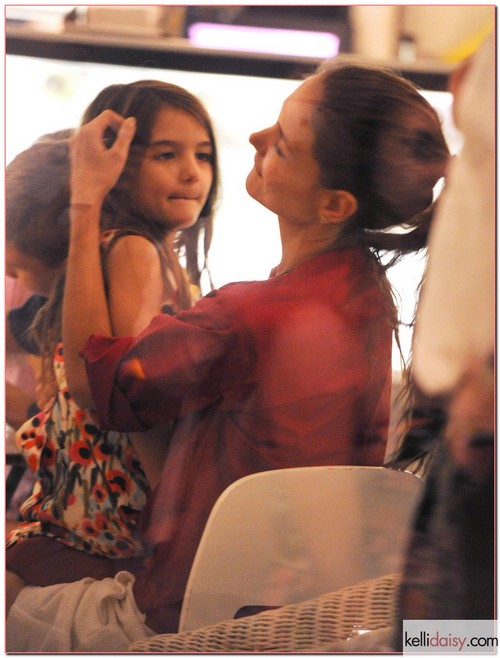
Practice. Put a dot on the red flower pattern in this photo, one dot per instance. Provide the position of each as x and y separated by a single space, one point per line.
85 506
81 453
118 481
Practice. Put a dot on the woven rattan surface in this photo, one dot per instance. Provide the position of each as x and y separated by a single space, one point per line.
293 628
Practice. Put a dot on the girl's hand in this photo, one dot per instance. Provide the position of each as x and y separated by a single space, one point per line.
96 166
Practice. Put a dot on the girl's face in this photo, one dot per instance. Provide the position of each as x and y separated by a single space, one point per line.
31 272
175 175
286 177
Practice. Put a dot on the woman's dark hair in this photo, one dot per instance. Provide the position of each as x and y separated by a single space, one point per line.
421 420
378 138
143 100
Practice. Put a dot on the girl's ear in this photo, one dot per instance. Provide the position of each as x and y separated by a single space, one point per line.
338 206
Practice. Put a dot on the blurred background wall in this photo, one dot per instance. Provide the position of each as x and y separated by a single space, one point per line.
48 91
439 33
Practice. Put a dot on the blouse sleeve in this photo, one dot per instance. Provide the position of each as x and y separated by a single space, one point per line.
175 366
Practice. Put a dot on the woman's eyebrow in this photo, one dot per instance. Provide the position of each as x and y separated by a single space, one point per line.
282 134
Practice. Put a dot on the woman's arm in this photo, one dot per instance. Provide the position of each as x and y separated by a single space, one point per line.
133 274
95 169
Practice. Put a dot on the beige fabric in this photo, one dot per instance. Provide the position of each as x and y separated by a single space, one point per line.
85 616
456 313
317 624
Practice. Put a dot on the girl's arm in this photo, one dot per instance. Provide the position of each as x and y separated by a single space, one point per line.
95 169
135 283
136 291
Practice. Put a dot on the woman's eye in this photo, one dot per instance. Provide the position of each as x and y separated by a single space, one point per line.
278 150
205 157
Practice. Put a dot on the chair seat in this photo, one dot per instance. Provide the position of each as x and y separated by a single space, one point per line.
297 627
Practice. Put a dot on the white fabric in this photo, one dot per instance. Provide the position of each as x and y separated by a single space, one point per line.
85 616
364 642
456 314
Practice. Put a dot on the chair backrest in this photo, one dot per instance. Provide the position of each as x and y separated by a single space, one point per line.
288 535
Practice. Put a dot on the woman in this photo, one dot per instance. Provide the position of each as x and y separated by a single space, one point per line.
291 371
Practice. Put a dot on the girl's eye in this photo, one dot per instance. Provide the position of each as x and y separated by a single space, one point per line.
165 155
205 157
278 150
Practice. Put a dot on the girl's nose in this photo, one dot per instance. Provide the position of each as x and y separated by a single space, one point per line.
190 169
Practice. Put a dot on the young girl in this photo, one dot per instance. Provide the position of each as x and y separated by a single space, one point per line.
291 371
81 519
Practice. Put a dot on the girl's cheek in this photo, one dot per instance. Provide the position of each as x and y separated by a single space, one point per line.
26 281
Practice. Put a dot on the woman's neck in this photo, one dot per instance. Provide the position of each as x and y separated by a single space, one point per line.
300 243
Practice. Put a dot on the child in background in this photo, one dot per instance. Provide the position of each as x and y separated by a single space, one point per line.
81 519
20 371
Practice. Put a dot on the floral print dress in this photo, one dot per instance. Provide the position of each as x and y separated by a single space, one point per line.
89 487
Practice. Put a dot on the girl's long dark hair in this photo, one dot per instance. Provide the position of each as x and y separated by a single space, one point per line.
37 201
143 100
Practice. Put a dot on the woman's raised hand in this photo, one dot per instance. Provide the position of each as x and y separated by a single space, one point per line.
96 165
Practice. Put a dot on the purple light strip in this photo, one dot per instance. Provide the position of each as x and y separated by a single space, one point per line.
264 40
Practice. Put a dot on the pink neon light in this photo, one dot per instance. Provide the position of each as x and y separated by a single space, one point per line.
264 40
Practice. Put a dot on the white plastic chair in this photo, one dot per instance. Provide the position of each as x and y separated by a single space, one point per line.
288 535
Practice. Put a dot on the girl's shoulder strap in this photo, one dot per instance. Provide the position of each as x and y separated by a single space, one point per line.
174 276
109 237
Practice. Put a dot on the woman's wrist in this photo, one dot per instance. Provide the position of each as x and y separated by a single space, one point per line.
84 219
80 204
86 198
85 207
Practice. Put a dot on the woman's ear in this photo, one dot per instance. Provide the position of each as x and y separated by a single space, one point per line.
338 206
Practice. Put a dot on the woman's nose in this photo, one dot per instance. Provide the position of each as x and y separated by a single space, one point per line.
258 139
253 138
